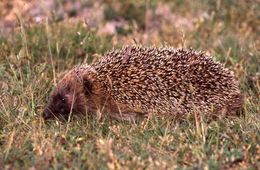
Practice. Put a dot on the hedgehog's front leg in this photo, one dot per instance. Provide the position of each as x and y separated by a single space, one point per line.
124 112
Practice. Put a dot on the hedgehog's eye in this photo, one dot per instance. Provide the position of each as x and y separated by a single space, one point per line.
63 100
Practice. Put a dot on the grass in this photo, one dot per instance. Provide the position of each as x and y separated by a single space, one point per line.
32 59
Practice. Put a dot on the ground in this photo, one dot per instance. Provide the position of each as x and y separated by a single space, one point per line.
35 51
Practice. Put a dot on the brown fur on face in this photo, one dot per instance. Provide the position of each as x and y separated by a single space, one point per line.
67 97
76 93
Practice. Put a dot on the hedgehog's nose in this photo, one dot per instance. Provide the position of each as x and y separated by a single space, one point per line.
47 114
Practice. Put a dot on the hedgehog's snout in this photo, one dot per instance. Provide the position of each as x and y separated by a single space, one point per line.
47 114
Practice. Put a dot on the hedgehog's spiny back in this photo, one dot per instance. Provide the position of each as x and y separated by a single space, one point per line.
165 79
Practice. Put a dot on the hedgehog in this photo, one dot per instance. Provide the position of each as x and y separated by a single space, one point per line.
139 81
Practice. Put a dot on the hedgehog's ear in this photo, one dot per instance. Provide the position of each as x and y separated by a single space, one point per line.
87 84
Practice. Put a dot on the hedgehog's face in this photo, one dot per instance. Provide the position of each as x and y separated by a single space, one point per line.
68 97
59 104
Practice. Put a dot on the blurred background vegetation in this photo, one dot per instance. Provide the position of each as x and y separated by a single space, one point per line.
40 39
